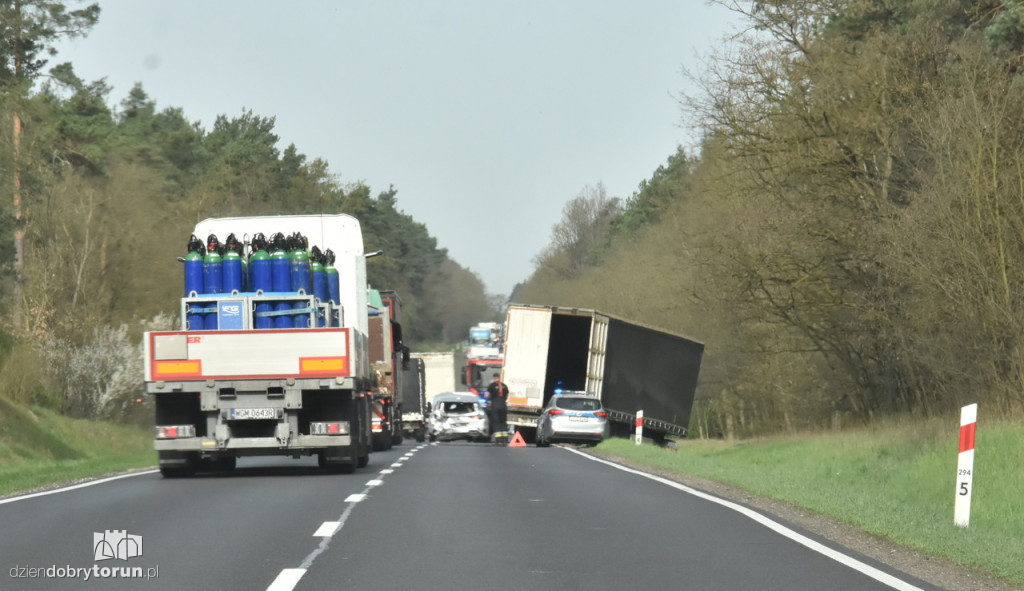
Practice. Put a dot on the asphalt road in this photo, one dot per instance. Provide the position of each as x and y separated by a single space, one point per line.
447 516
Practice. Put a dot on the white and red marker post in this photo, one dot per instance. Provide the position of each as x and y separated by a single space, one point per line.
639 427
965 465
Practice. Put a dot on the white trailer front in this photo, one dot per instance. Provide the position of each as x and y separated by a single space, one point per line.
527 351
438 373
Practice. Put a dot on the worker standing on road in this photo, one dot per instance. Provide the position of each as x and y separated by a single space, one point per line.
497 394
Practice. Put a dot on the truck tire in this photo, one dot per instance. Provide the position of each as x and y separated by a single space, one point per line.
336 466
177 465
421 435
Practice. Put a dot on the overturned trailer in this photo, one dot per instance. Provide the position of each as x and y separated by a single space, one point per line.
629 366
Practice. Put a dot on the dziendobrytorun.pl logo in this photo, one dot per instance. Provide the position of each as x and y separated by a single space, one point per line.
109 545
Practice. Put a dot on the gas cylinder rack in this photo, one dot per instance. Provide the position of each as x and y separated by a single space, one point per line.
250 310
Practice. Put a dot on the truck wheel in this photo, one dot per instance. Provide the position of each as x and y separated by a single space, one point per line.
177 465
336 467
421 436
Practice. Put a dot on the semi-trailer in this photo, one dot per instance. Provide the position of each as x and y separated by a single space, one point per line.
629 366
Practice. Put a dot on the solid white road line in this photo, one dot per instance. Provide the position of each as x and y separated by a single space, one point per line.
867 569
74 486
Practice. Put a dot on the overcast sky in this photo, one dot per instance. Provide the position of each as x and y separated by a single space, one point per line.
487 116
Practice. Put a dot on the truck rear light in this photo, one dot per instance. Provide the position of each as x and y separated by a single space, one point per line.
175 431
336 428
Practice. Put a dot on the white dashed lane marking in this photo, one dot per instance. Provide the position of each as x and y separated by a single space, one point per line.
287 580
289 577
327 529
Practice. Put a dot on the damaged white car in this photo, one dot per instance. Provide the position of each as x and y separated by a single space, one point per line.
457 415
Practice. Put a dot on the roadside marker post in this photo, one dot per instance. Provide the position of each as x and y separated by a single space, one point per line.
965 465
639 427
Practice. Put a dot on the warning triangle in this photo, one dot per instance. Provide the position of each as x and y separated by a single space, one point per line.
517 441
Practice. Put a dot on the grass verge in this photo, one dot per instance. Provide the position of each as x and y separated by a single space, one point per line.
39 448
897 481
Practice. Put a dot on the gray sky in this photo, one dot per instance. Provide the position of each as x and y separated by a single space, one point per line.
487 116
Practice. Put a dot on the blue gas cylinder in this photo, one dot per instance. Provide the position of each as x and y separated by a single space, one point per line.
283 320
260 277
194 267
280 271
213 267
300 282
333 279
232 265
280 274
260 280
194 281
316 269
232 272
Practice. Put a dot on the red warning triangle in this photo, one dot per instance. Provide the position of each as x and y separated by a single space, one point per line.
517 441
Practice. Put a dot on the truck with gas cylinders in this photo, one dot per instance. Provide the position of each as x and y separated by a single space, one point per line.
387 355
272 354
629 366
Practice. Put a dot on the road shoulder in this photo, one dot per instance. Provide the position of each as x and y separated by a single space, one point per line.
936 570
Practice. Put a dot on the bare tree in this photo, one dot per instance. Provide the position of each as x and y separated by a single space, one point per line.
584 227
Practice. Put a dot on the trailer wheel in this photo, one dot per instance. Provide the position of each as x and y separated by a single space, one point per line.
334 467
177 465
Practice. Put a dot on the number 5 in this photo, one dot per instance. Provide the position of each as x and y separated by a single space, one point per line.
963 489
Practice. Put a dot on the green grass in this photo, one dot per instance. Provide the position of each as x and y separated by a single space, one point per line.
40 448
894 481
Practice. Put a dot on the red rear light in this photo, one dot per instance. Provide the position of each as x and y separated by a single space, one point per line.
601 414
556 411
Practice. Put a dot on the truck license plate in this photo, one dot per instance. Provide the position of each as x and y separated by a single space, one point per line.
253 413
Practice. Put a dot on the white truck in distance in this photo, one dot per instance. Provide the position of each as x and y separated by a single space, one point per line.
224 389
438 373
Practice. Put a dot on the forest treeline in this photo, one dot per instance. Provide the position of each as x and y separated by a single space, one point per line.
848 237
99 196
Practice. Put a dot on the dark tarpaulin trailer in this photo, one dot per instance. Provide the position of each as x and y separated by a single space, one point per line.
653 371
631 366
